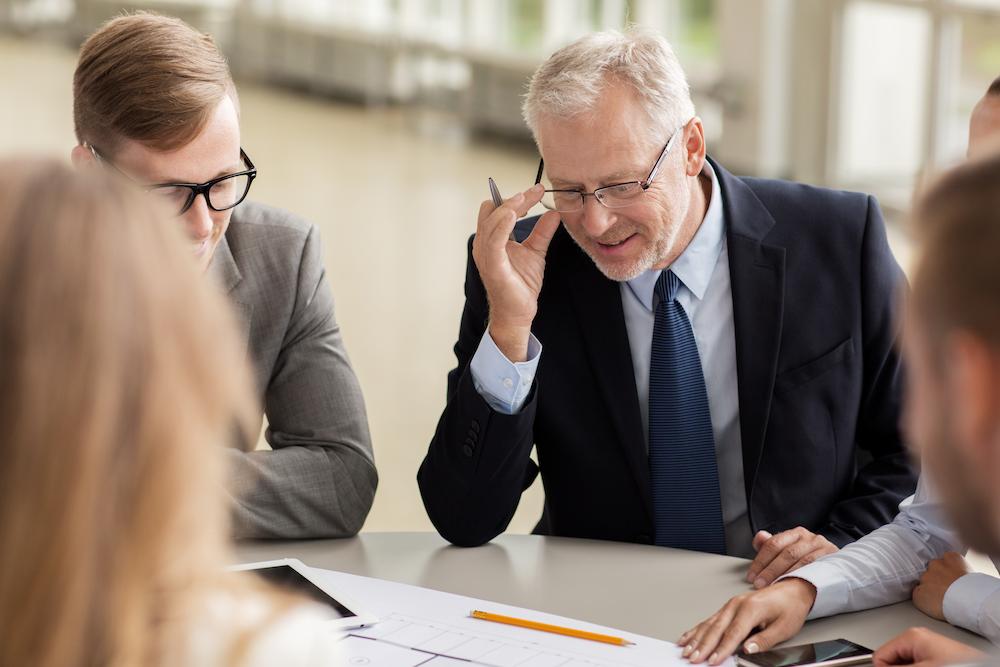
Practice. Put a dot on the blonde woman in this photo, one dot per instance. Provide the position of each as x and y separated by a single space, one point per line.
122 379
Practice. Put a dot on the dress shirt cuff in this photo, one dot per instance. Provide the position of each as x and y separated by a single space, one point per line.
503 384
966 598
832 588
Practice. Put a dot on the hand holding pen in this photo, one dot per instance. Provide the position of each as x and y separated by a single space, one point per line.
512 272
498 201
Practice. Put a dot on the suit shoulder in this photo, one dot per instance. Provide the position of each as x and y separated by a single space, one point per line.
257 229
804 202
255 220
271 242
808 215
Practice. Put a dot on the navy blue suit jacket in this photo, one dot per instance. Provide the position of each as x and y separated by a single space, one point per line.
815 289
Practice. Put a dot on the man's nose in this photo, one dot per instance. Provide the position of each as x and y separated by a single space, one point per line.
198 219
597 218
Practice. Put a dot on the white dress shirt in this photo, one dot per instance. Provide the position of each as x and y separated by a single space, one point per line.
884 566
707 299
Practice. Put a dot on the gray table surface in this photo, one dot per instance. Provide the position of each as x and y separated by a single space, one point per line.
643 589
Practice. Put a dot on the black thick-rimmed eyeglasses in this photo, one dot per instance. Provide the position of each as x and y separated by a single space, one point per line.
221 193
616 195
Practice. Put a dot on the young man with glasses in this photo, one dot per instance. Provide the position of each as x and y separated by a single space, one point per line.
155 102
719 370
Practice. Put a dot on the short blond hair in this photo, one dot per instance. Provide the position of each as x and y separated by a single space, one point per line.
148 78
572 80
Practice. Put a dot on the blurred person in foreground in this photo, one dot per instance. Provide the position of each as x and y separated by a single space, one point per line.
914 556
719 370
153 100
122 375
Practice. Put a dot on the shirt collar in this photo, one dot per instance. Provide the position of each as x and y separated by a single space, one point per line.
695 265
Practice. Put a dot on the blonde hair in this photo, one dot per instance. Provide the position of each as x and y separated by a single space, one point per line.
572 80
123 381
149 78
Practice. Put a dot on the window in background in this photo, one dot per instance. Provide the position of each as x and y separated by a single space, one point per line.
977 4
432 21
910 73
541 26
35 12
698 36
883 95
974 63
371 15
525 24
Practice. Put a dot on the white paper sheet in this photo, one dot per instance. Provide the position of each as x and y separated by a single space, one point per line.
422 624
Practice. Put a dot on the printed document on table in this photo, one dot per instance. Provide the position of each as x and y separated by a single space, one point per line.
419 626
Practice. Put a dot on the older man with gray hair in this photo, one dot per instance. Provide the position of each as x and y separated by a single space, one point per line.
719 370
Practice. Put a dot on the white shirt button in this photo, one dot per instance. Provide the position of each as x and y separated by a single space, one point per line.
507 382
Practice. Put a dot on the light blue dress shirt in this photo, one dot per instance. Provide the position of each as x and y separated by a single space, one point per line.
707 299
883 567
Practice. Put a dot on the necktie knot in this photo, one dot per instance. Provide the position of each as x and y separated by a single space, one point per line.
666 286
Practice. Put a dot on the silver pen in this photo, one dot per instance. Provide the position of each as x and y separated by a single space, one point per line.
498 201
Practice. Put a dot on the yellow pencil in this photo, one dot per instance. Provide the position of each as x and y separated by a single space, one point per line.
545 627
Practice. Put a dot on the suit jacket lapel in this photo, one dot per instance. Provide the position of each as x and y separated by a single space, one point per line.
598 305
227 276
757 273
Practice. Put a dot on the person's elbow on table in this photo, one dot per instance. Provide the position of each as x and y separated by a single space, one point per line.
785 552
780 609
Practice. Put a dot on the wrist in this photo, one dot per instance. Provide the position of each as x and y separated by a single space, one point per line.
804 591
511 339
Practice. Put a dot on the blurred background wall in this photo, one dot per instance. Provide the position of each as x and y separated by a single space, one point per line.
380 120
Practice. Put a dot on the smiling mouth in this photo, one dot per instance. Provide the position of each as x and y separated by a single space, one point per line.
615 243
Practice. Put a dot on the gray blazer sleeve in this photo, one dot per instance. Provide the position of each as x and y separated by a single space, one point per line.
319 479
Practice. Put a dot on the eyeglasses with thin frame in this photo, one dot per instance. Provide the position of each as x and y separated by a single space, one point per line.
616 195
221 193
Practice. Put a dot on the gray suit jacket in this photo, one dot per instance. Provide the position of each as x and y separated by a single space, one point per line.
319 479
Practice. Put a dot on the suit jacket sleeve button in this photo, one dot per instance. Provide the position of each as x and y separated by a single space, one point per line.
468 450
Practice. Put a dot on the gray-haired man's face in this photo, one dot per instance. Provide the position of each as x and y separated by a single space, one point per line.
614 144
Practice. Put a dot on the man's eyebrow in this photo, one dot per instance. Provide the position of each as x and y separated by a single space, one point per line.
234 168
619 176
561 184
623 175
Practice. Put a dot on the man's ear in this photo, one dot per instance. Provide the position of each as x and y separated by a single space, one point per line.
694 146
82 157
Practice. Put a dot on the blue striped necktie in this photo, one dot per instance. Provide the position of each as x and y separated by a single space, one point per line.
687 509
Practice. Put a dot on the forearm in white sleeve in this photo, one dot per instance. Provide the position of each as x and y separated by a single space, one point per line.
973 602
882 567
